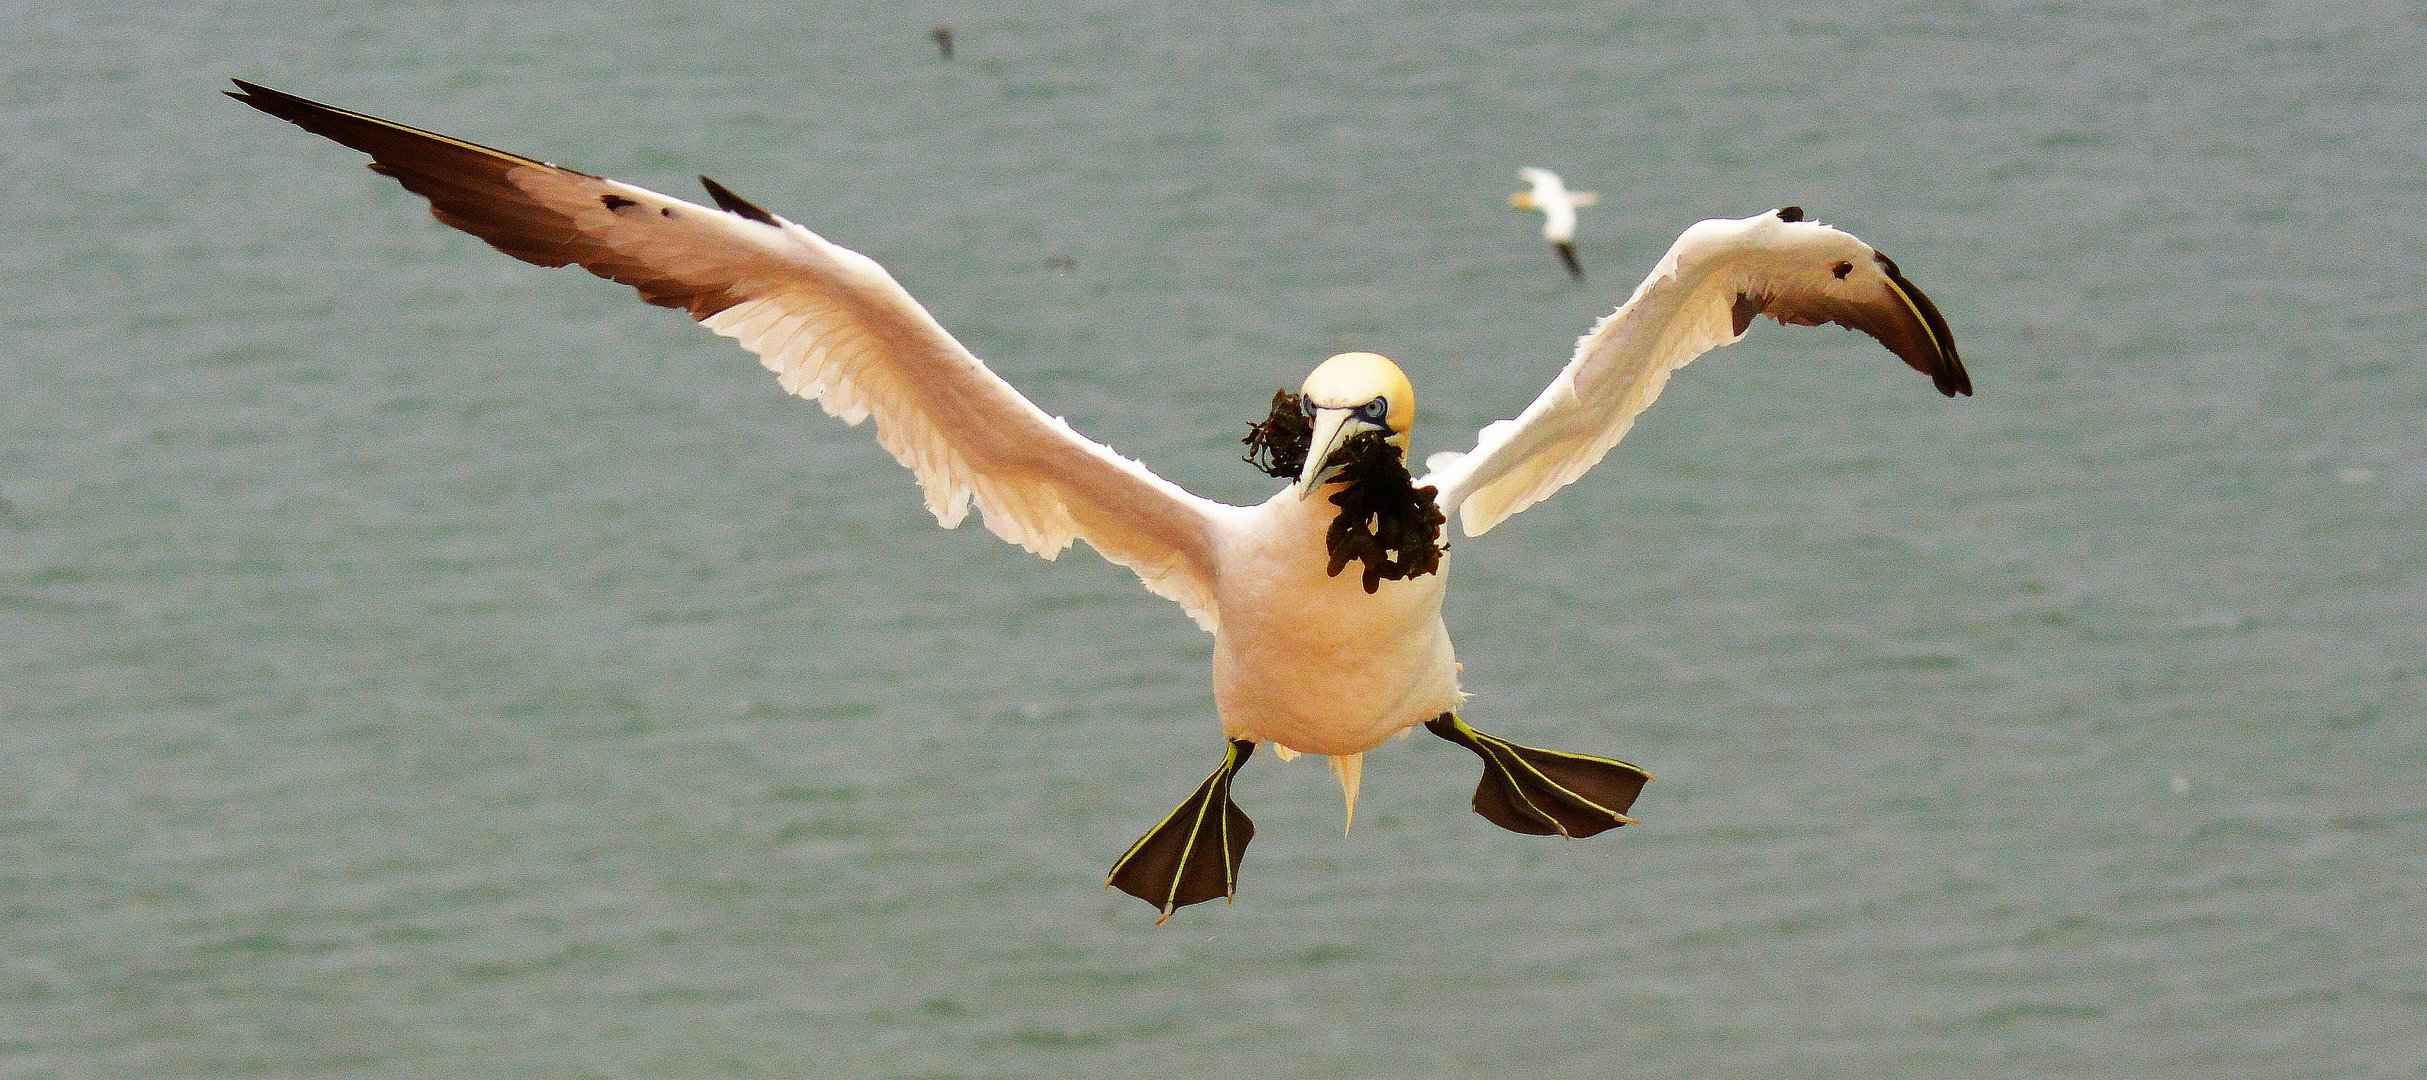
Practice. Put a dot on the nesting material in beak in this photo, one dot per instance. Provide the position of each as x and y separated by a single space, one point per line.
1277 447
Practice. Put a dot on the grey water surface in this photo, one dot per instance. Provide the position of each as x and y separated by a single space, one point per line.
415 663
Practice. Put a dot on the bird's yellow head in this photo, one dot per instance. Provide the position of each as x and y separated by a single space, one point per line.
1368 385
1348 394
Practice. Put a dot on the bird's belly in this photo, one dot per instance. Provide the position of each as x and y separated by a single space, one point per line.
1318 665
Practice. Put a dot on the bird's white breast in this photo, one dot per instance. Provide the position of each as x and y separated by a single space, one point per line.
1312 661
1558 218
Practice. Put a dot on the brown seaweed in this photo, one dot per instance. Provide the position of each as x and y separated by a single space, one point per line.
1385 520
1278 445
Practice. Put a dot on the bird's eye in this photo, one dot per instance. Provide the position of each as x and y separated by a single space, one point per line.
1306 407
1374 410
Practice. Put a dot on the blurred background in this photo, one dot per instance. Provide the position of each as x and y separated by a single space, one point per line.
416 663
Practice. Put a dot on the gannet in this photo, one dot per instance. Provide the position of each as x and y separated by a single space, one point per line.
1310 654
1549 194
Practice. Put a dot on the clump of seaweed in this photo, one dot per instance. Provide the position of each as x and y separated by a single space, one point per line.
1385 520
1278 445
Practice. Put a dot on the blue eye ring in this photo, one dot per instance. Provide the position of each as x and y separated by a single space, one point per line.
1373 411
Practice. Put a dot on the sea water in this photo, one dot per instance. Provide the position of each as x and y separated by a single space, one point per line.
414 663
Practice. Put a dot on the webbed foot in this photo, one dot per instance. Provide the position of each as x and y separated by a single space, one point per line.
1192 855
1545 792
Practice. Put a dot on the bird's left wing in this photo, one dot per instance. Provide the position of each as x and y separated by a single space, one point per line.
833 326
1704 294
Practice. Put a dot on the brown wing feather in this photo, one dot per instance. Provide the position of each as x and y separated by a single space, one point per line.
1899 316
500 197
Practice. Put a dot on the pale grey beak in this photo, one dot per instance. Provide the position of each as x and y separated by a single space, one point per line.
1333 427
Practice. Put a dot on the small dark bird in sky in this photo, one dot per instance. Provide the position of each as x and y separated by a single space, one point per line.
943 41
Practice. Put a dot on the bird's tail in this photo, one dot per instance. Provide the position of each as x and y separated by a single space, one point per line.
1350 768
1567 254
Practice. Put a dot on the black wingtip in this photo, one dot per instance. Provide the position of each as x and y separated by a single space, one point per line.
275 102
302 112
1948 374
735 204
255 95
1790 213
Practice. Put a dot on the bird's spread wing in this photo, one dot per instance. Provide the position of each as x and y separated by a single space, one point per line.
833 326
1705 292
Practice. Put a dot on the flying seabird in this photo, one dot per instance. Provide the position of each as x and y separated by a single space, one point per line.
1311 654
1549 194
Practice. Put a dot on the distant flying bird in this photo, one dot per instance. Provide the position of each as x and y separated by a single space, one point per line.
943 41
1305 657
1549 194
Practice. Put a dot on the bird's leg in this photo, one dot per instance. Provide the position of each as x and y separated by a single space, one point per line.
1192 855
1545 792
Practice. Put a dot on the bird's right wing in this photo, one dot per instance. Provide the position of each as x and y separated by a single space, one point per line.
1704 294
833 326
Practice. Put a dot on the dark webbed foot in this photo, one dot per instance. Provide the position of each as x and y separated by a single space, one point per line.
1192 855
1545 792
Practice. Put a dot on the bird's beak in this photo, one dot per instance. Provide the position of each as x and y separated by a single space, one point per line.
1332 428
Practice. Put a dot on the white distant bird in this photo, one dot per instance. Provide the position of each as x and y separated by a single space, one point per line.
1549 194
1305 657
